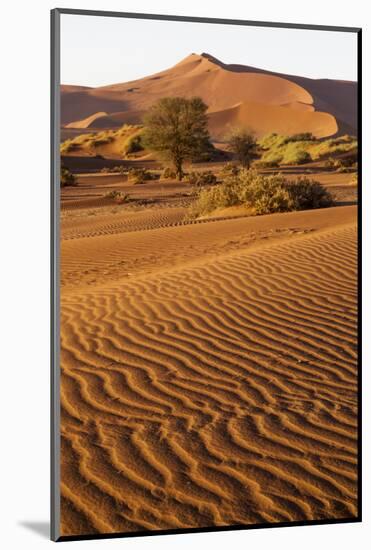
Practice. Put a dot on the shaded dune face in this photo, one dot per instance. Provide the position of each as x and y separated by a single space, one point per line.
222 87
213 389
265 119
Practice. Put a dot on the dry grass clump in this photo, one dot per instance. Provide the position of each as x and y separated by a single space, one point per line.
200 179
262 194
114 170
118 196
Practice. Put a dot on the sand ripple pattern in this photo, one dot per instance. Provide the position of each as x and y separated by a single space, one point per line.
215 394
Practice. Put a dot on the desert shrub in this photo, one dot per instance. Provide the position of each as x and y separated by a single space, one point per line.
262 194
168 173
229 169
98 141
133 145
346 138
346 164
67 178
140 175
114 170
305 136
272 158
295 153
201 178
267 163
331 162
329 147
118 196
300 148
69 146
271 141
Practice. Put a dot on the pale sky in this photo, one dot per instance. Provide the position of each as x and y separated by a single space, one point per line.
96 51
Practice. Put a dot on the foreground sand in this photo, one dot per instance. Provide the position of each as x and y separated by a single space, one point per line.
208 370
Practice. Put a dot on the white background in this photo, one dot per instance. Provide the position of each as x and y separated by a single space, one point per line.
24 271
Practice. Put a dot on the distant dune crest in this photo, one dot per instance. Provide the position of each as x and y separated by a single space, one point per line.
239 95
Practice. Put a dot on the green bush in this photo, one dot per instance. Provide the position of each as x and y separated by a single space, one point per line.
201 178
67 178
262 194
271 141
301 148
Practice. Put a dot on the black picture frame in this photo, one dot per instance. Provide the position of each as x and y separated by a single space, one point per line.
55 267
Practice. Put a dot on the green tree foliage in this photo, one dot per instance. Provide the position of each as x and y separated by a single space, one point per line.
176 127
243 144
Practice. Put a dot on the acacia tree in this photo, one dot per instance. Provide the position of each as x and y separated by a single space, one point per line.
176 127
243 144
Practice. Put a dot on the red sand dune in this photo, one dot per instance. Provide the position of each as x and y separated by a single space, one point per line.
259 99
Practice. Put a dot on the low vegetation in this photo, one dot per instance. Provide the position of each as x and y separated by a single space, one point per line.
347 164
243 144
133 144
118 196
168 173
301 148
261 194
229 169
137 176
122 142
114 170
67 178
200 179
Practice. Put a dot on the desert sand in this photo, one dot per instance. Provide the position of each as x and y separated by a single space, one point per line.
208 369
235 94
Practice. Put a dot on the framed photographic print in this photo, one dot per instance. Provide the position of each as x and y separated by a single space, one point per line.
205 274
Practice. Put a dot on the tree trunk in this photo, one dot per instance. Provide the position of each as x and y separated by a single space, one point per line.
178 170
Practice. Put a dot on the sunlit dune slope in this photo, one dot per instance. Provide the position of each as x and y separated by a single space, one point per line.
222 87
